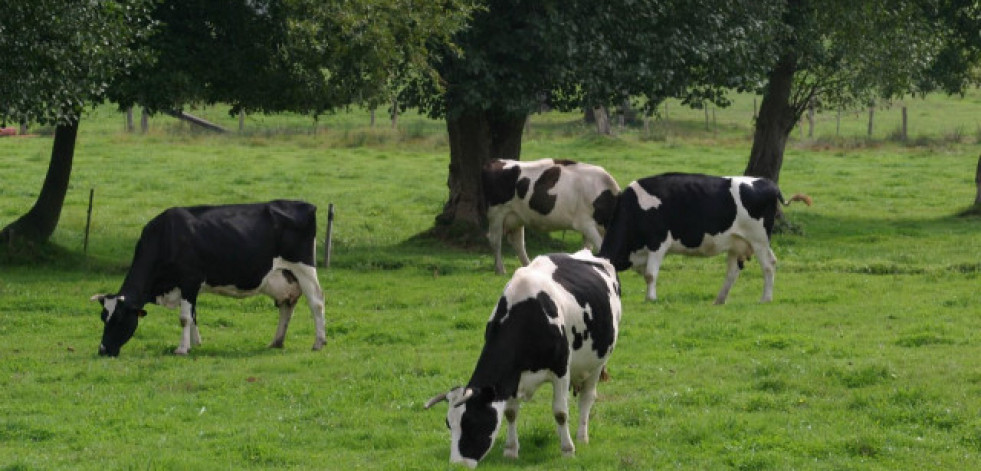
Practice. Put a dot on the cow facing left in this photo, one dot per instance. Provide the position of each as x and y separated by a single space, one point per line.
238 250
556 322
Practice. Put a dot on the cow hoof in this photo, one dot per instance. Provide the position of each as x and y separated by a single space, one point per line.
511 453
180 352
276 344
569 452
319 344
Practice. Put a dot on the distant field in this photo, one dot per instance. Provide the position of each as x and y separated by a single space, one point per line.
866 359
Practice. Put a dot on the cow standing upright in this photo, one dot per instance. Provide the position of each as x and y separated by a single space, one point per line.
237 250
557 321
695 214
547 195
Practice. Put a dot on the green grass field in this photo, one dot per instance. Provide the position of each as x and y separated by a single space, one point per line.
866 359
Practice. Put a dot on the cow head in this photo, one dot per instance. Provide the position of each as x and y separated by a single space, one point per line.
473 418
120 322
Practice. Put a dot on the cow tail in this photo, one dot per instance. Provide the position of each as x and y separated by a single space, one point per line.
797 197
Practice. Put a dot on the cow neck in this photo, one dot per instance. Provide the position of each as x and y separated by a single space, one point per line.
138 284
497 368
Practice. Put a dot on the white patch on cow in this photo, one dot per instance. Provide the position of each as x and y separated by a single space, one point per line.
109 303
645 200
274 284
169 300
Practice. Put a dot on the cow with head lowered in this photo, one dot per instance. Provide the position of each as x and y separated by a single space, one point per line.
695 214
237 250
556 322
547 195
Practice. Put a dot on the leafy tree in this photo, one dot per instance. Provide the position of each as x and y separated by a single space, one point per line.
305 56
573 54
836 53
58 58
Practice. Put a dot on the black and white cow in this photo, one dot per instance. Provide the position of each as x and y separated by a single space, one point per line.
235 250
557 321
547 195
695 214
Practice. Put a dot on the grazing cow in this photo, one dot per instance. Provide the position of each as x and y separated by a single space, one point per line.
695 214
236 250
547 195
557 321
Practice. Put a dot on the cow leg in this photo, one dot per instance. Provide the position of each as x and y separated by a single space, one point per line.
768 262
732 273
516 237
286 308
654 260
560 409
511 414
495 233
189 328
306 275
587 396
592 237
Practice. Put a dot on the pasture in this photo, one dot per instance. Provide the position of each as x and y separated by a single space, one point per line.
868 358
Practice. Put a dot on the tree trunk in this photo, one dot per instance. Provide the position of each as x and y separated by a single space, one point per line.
602 118
475 138
776 120
40 222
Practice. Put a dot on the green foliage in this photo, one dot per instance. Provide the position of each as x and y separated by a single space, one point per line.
59 57
304 56
865 359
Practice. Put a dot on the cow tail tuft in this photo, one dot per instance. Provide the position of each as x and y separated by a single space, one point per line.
798 197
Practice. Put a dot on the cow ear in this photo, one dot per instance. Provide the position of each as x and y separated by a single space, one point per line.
99 298
141 313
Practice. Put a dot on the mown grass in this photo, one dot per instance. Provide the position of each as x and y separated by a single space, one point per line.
867 358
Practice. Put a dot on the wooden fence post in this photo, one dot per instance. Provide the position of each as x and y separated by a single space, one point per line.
88 222
810 120
328 238
871 117
904 134
144 121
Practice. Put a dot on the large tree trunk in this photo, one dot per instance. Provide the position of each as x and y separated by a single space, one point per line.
40 222
776 120
475 138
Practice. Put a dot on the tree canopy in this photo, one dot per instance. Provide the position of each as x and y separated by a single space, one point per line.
303 56
59 57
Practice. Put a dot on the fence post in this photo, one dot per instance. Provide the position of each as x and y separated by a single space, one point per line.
88 222
871 117
904 135
328 238
810 120
144 121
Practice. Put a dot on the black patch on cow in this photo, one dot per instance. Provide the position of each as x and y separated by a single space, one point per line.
521 189
578 338
541 201
583 279
564 162
520 339
692 205
499 183
477 424
603 207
